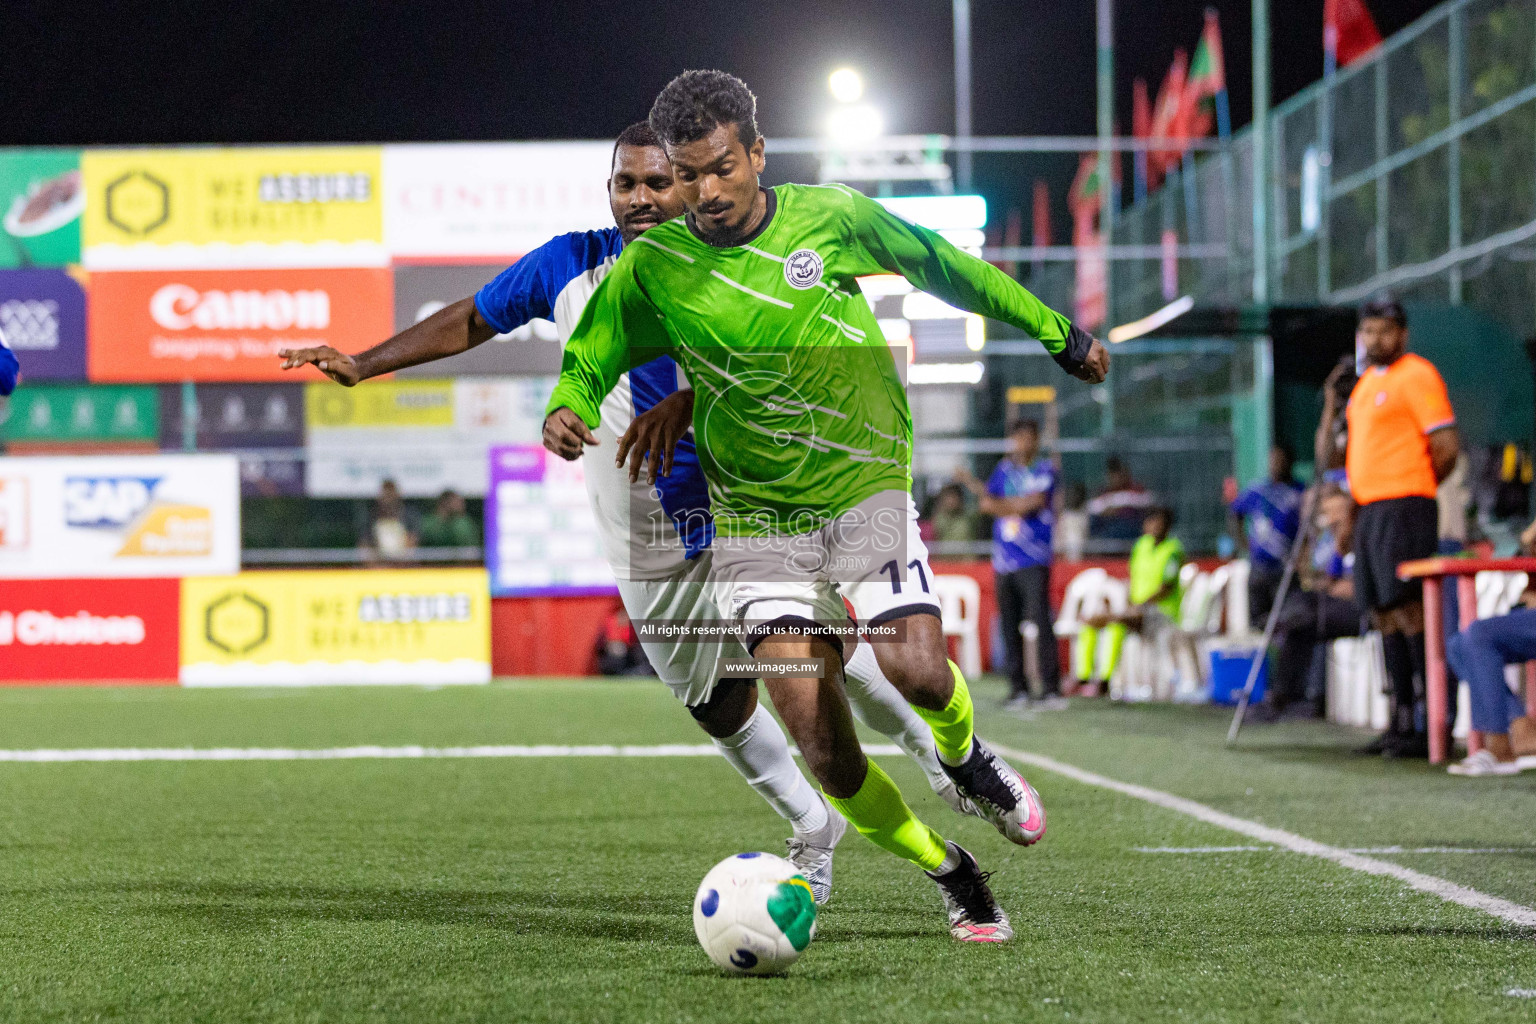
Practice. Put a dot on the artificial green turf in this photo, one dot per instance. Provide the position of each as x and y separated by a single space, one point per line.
559 889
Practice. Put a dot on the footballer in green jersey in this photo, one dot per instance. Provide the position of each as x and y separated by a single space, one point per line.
804 435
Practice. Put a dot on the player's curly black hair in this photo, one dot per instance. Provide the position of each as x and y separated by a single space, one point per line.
637 134
696 102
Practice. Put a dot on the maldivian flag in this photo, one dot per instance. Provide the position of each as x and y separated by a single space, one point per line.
1207 80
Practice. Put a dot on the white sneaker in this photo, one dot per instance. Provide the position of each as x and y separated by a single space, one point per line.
811 852
1484 763
950 793
974 915
1000 793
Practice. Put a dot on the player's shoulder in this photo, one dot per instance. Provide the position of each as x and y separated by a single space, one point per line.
669 242
582 250
1413 366
830 196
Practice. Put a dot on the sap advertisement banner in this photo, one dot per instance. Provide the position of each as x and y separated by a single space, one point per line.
228 325
469 202
338 626
140 515
540 534
288 206
90 630
426 435
42 316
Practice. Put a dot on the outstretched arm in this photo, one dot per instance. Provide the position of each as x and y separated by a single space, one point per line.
931 262
449 331
619 329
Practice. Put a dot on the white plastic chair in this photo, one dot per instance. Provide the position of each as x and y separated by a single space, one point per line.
959 600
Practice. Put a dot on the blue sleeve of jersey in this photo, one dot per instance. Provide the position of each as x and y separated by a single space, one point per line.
997 483
528 288
10 369
1247 503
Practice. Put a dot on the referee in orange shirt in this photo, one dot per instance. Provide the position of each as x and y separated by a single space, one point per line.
1402 443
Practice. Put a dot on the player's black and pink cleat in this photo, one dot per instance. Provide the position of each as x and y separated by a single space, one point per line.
1000 794
974 915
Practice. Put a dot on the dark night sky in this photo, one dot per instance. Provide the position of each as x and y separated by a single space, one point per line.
272 71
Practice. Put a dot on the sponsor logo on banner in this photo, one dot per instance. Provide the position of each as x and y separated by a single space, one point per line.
15 511
420 291
229 325
63 418
42 317
268 417
385 403
90 630
41 199
541 536
426 435
232 207
339 626
462 202
131 515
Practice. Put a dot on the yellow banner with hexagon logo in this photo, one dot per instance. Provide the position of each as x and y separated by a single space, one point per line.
229 207
336 626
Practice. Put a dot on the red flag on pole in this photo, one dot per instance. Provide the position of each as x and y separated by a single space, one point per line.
1141 128
1349 32
1165 115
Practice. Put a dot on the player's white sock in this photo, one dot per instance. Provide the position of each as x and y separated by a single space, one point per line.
880 706
760 752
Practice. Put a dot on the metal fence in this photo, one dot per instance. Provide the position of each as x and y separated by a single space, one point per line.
1414 169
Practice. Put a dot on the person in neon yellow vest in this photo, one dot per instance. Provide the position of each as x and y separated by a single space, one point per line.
1156 560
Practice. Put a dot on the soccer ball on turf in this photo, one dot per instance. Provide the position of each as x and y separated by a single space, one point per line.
754 914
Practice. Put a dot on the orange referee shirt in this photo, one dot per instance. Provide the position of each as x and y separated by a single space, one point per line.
1391 414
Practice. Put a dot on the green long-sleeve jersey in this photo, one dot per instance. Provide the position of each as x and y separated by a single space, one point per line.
799 412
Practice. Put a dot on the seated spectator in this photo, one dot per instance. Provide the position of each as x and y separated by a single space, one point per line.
1116 513
618 648
1155 594
1321 610
1270 512
449 525
951 521
1479 654
391 537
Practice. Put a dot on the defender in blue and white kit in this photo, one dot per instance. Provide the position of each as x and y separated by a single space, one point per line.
656 537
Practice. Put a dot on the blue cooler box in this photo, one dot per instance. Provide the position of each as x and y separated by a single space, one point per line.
1229 673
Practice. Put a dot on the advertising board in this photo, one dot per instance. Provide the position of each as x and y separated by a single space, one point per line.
89 630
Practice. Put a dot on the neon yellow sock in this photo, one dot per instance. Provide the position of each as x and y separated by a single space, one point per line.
1087 643
955 725
883 817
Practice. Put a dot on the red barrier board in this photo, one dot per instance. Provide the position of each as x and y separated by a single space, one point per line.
90 631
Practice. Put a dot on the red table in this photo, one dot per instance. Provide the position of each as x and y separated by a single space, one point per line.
1465 570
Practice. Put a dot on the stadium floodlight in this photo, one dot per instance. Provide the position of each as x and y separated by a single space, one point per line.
847 85
855 123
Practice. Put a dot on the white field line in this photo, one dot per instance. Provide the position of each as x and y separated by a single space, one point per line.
368 753
1446 890
1348 849
1521 993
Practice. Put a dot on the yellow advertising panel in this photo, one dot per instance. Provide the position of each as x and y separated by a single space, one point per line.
380 403
336 626
142 200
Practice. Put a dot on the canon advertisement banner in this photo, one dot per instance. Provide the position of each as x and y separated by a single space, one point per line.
42 317
490 202
90 631
531 350
228 325
110 516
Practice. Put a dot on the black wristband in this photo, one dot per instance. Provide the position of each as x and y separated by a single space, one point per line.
1075 352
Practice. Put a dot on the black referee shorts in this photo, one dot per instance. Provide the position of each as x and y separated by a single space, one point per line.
1387 533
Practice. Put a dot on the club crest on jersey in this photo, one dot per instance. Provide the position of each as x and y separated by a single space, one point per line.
803 269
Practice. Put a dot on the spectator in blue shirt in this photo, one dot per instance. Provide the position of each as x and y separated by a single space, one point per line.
1271 511
1021 495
